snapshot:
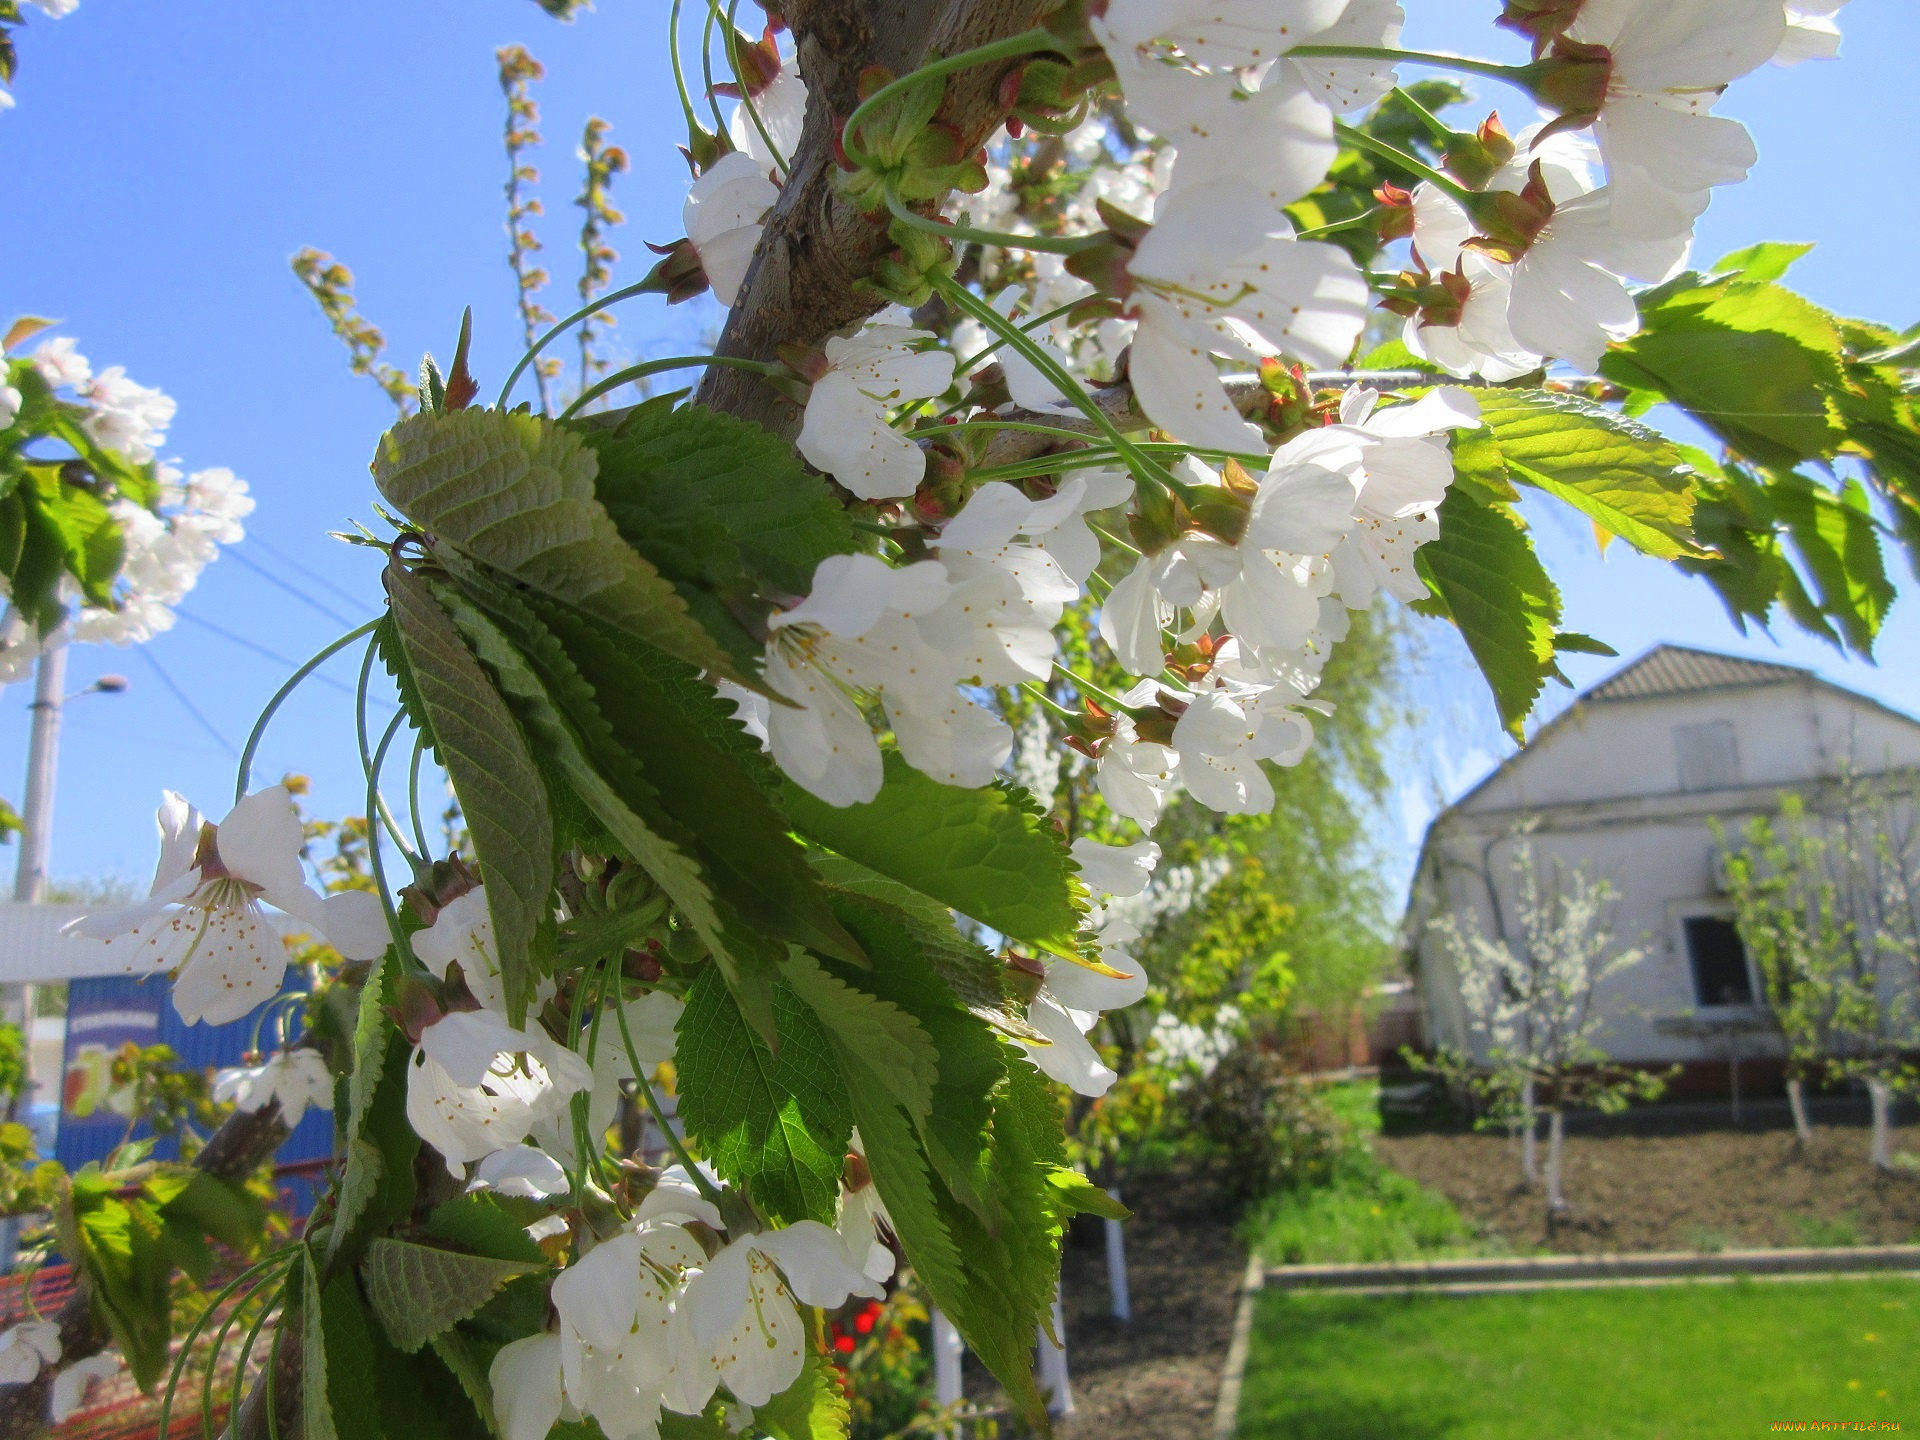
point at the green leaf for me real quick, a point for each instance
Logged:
(776, 1123)
(316, 1406)
(581, 750)
(458, 1357)
(1629, 480)
(204, 1204)
(1838, 542)
(128, 1262)
(479, 1223)
(1756, 264)
(89, 539)
(906, 972)
(995, 1283)
(1750, 362)
(419, 1290)
(707, 496)
(988, 853)
(1572, 642)
(709, 777)
(870, 1036)
(348, 1370)
(1487, 580)
(377, 1185)
(517, 492)
(1075, 1194)
(814, 1407)
(977, 980)
(499, 786)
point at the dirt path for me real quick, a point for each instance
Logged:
(1711, 1190)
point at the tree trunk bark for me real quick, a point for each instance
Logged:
(1880, 1092)
(1556, 1134)
(1529, 1133)
(816, 247)
(1797, 1102)
(237, 1149)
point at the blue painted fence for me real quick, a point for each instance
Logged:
(102, 1015)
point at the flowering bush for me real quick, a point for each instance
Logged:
(727, 691)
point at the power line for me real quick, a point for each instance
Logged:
(262, 650)
(293, 590)
(181, 695)
(311, 574)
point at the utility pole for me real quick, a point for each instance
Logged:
(36, 820)
(43, 759)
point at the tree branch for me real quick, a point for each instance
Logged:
(816, 247)
(242, 1145)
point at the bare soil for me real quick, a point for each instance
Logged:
(1690, 1189)
(1158, 1375)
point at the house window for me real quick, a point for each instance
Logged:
(1721, 975)
(1706, 756)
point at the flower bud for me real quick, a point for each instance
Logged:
(1475, 158)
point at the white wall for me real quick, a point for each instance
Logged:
(1603, 787)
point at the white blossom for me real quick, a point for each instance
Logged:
(1135, 775)
(782, 108)
(476, 1085)
(615, 1305)
(9, 405)
(1121, 870)
(525, 1377)
(650, 1024)
(202, 919)
(297, 1078)
(738, 1323)
(1670, 61)
(60, 364)
(1069, 1004)
(1214, 276)
(25, 1348)
(462, 933)
(1223, 736)
(524, 1171)
(846, 431)
(856, 636)
(723, 218)
(1813, 32)
(125, 416)
(71, 1385)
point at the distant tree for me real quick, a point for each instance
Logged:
(1534, 1002)
(1829, 906)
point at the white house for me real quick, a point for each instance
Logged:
(1625, 782)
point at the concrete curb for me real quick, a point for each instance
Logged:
(1226, 1412)
(1486, 1276)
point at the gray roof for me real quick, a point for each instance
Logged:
(1677, 670)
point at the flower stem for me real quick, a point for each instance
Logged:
(1437, 127)
(1089, 688)
(947, 230)
(1352, 222)
(640, 287)
(679, 75)
(1114, 540)
(654, 367)
(1361, 140)
(1039, 693)
(260, 726)
(746, 95)
(1027, 43)
(1512, 74)
(1142, 467)
(674, 1142)
(413, 793)
(374, 859)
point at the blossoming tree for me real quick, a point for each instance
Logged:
(724, 687)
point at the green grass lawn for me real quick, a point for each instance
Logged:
(1695, 1362)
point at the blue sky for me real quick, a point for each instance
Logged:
(165, 161)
